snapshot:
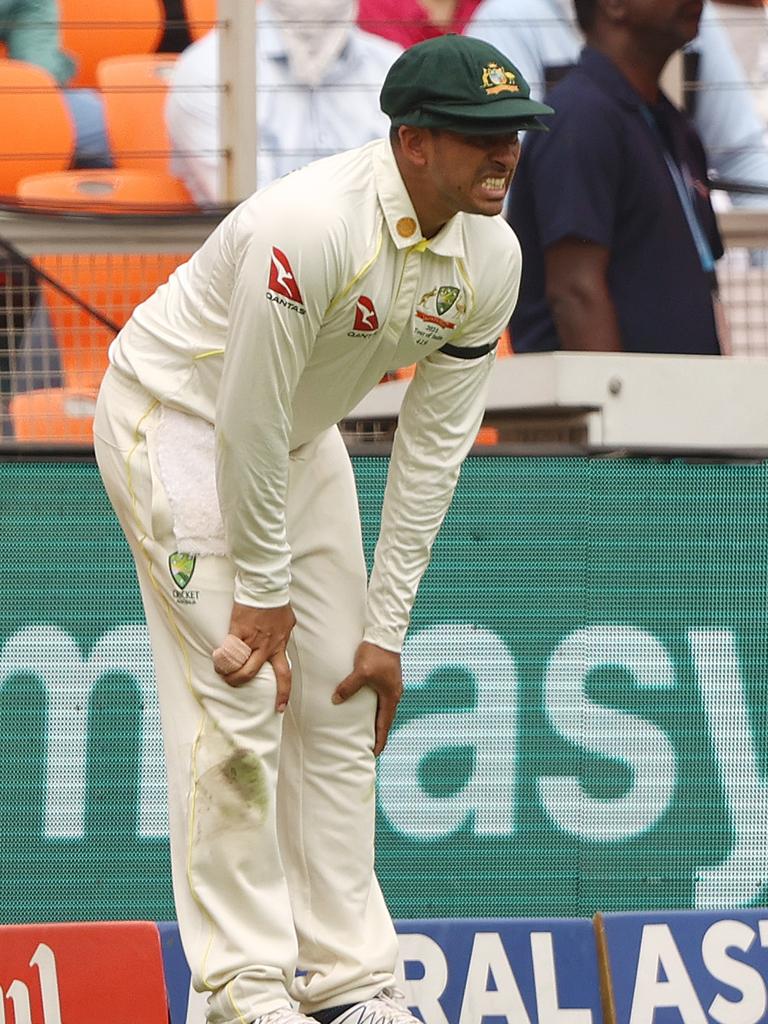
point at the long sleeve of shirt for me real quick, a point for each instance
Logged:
(268, 346)
(438, 424)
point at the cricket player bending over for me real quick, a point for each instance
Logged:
(216, 438)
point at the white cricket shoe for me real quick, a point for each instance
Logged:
(283, 1015)
(388, 1007)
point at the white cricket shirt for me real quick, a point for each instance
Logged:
(292, 310)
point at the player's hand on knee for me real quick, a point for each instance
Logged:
(262, 634)
(380, 669)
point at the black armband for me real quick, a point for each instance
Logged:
(469, 353)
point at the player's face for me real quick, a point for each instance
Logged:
(472, 173)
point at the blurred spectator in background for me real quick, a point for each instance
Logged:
(546, 41)
(747, 28)
(30, 31)
(611, 206)
(318, 79)
(410, 21)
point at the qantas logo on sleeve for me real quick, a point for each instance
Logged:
(366, 321)
(282, 283)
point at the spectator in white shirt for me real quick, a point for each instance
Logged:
(318, 80)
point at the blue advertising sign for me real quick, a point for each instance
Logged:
(687, 967)
(483, 971)
(493, 971)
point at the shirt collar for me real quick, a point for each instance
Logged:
(400, 216)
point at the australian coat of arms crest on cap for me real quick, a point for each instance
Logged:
(497, 79)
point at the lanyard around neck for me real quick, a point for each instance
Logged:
(684, 188)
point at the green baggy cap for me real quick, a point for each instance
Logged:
(462, 84)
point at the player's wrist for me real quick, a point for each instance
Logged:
(387, 639)
(256, 597)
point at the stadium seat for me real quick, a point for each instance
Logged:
(106, 191)
(53, 416)
(487, 436)
(108, 286)
(38, 132)
(505, 345)
(94, 29)
(134, 90)
(200, 16)
(404, 372)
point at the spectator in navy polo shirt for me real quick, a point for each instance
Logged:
(611, 205)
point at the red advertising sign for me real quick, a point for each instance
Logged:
(83, 973)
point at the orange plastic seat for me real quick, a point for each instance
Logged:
(200, 16)
(53, 416)
(38, 132)
(405, 372)
(487, 436)
(109, 286)
(94, 29)
(104, 287)
(106, 191)
(134, 89)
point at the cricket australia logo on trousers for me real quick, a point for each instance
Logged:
(181, 566)
(283, 287)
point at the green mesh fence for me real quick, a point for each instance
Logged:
(584, 722)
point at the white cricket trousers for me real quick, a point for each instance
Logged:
(271, 816)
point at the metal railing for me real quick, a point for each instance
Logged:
(68, 283)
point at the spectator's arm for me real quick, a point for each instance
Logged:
(33, 36)
(195, 141)
(578, 295)
(192, 119)
(726, 114)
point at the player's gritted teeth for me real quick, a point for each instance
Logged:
(495, 186)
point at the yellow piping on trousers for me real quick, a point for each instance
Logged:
(143, 534)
